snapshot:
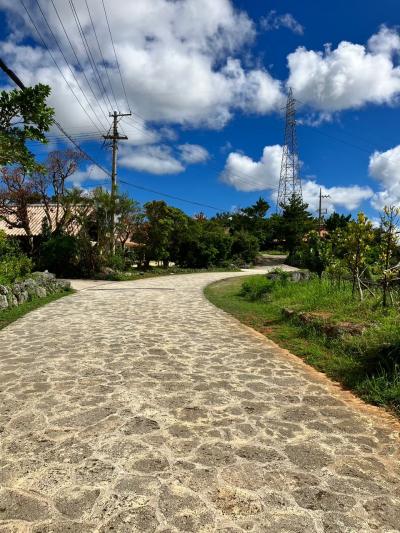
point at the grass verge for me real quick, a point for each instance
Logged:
(8, 316)
(369, 365)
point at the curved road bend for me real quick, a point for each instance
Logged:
(139, 407)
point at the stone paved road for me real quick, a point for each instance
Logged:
(140, 407)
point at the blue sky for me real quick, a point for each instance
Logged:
(206, 80)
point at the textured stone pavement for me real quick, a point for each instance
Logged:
(138, 407)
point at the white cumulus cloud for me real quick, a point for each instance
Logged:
(386, 41)
(385, 168)
(348, 197)
(245, 174)
(349, 76)
(180, 60)
(157, 159)
(273, 21)
(193, 153)
(90, 173)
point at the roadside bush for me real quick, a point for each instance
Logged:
(60, 256)
(315, 254)
(118, 261)
(206, 245)
(14, 268)
(279, 275)
(245, 246)
(256, 288)
(14, 265)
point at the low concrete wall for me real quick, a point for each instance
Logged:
(38, 285)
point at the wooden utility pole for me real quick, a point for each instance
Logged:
(114, 138)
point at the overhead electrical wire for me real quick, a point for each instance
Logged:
(142, 130)
(115, 54)
(153, 191)
(83, 70)
(241, 177)
(92, 62)
(357, 147)
(337, 139)
(101, 54)
(55, 62)
(66, 61)
(83, 135)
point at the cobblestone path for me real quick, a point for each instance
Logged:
(140, 407)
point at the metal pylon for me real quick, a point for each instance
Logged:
(289, 181)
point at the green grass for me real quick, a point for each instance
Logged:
(368, 364)
(159, 271)
(8, 316)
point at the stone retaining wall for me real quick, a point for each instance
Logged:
(38, 285)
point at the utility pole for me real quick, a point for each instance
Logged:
(114, 138)
(320, 211)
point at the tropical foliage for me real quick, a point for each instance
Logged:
(24, 116)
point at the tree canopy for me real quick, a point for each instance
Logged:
(24, 116)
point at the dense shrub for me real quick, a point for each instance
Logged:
(256, 288)
(14, 265)
(14, 268)
(314, 254)
(245, 246)
(60, 255)
(203, 246)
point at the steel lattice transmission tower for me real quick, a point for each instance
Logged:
(289, 181)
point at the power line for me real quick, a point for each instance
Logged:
(115, 54)
(101, 54)
(142, 130)
(241, 177)
(76, 57)
(67, 63)
(55, 62)
(22, 86)
(153, 191)
(138, 115)
(352, 145)
(352, 134)
(99, 81)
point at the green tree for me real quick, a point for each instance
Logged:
(202, 245)
(24, 116)
(316, 253)
(160, 226)
(388, 265)
(245, 246)
(336, 221)
(251, 219)
(97, 219)
(357, 240)
(257, 210)
(273, 236)
(296, 223)
(129, 216)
